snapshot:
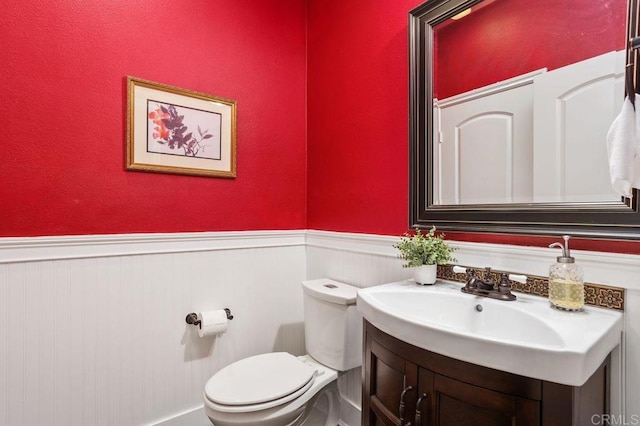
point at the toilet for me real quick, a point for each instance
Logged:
(280, 389)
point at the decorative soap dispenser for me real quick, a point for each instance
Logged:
(566, 284)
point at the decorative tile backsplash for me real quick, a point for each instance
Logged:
(598, 295)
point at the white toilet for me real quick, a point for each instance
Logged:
(279, 389)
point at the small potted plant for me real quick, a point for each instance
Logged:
(424, 252)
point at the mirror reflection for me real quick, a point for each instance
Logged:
(524, 93)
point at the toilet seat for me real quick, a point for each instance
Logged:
(259, 382)
(290, 413)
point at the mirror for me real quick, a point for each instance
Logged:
(536, 124)
(510, 104)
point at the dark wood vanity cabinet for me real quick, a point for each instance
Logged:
(404, 385)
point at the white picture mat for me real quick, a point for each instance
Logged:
(142, 94)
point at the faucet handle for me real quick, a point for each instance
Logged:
(519, 278)
(459, 270)
(505, 285)
(504, 288)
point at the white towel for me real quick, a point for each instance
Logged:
(623, 148)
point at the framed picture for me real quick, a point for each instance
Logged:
(174, 130)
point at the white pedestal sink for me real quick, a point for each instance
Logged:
(525, 336)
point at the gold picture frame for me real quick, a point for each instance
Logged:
(180, 131)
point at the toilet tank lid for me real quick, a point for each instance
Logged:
(331, 291)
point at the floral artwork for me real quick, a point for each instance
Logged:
(175, 130)
(185, 131)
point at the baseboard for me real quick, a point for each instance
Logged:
(192, 417)
(350, 414)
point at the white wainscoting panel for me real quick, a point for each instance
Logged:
(103, 341)
(93, 332)
(356, 259)
(366, 260)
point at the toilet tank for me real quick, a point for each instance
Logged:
(332, 324)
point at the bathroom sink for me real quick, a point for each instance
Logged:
(525, 336)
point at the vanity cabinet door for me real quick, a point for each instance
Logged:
(460, 403)
(424, 399)
(389, 387)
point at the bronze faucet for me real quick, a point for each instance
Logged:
(486, 287)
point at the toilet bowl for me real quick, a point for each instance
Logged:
(249, 395)
(280, 389)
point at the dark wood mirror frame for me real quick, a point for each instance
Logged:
(593, 220)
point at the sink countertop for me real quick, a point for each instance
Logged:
(525, 336)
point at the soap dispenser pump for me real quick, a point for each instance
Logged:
(566, 284)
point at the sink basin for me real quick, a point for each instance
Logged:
(525, 336)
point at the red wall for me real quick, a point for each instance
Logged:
(478, 49)
(358, 123)
(62, 80)
(63, 96)
(357, 106)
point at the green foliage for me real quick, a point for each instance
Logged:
(424, 249)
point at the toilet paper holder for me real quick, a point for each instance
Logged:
(192, 318)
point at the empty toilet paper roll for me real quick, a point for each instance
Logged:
(212, 323)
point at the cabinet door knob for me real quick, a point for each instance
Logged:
(402, 406)
(418, 405)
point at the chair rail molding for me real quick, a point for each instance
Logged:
(614, 269)
(26, 249)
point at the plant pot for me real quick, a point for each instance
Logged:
(426, 274)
